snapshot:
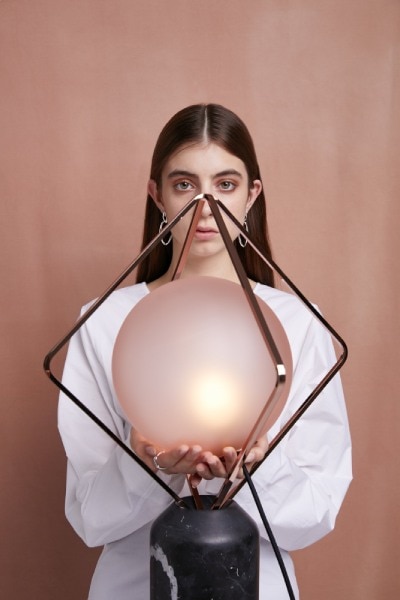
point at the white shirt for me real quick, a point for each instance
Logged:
(112, 501)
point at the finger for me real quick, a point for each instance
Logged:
(177, 460)
(215, 465)
(195, 480)
(203, 471)
(173, 456)
(257, 453)
(187, 463)
(263, 444)
(142, 448)
(229, 458)
(150, 450)
(168, 459)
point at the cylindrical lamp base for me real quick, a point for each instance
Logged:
(204, 554)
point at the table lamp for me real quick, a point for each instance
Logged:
(202, 546)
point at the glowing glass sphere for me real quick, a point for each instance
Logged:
(190, 365)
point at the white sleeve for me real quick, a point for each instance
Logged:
(303, 481)
(108, 494)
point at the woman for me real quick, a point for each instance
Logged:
(110, 500)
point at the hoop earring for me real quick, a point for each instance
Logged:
(164, 223)
(242, 240)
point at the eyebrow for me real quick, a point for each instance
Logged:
(183, 173)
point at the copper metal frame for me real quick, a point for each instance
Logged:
(226, 492)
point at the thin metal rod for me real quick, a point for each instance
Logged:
(80, 322)
(116, 439)
(226, 488)
(273, 265)
(180, 265)
(260, 321)
(131, 267)
(195, 494)
(292, 421)
(189, 237)
(244, 282)
(268, 340)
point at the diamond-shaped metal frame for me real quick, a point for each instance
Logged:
(227, 490)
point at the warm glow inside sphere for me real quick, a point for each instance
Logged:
(190, 365)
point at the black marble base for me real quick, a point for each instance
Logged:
(204, 554)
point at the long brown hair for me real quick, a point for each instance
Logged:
(212, 123)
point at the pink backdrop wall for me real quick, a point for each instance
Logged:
(86, 86)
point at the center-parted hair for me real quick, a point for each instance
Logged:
(207, 123)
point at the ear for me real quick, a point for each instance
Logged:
(152, 190)
(254, 192)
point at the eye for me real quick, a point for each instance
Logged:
(183, 186)
(227, 186)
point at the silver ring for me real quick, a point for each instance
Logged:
(155, 461)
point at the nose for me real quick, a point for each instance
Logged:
(206, 210)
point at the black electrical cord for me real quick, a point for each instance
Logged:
(269, 533)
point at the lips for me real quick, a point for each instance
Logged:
(206, 230)
(205, 233)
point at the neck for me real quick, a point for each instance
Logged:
(212, 266)
(215, 265)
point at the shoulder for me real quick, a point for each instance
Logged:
(284, 303)
(104, 324)
(295, 316)
(125, 296)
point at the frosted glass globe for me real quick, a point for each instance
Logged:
(190, 365)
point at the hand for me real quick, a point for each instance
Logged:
(210, 466)
(182, 459)
(193, 461)
(257, 453)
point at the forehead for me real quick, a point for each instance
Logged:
(203, 159)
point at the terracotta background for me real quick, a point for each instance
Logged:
(86, 86)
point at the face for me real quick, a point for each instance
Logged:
(204, 169)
